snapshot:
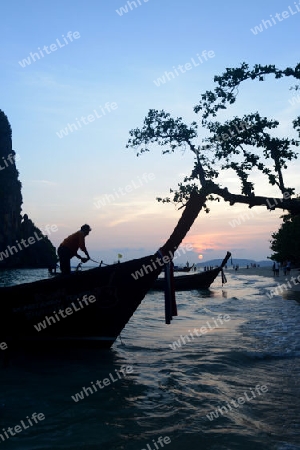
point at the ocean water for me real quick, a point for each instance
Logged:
(234, 384)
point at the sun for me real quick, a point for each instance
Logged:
(200, 256)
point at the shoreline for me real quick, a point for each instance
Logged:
(289, 280)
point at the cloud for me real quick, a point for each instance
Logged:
(43, 182)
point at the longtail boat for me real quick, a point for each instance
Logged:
(201, 280)
(183, 269)
(88, 308)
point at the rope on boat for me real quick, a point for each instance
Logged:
(174, 306)
(170, 300)
(224, 279)
(228, 255)
(79, 265)
(100, 263)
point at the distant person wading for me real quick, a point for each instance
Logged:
(69, 248)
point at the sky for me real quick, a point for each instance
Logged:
(77, 76)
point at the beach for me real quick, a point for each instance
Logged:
(290, 281)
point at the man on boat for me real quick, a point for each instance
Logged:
(69, 248)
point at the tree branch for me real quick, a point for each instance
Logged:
(285, 203)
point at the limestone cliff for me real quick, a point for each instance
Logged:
(21, 243)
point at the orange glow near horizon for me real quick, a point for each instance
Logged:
(201, 243)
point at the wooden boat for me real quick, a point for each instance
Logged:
(201, 280)
(89, 308)
(183, 269)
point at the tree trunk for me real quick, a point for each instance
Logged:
(189, 215)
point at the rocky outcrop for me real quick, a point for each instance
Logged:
(10, 187)
(21, 243)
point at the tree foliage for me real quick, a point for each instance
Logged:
(242, 144)
(285, 242)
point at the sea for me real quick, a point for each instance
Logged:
(224, 375)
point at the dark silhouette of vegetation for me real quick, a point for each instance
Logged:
(242, 145)
(285, 242)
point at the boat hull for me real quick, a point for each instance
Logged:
(183, 269)
(99, 301)
(87, 309)
(201, 280)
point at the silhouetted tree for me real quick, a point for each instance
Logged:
(242, 145)
(286, 241)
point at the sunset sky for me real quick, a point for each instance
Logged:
(77, 76)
